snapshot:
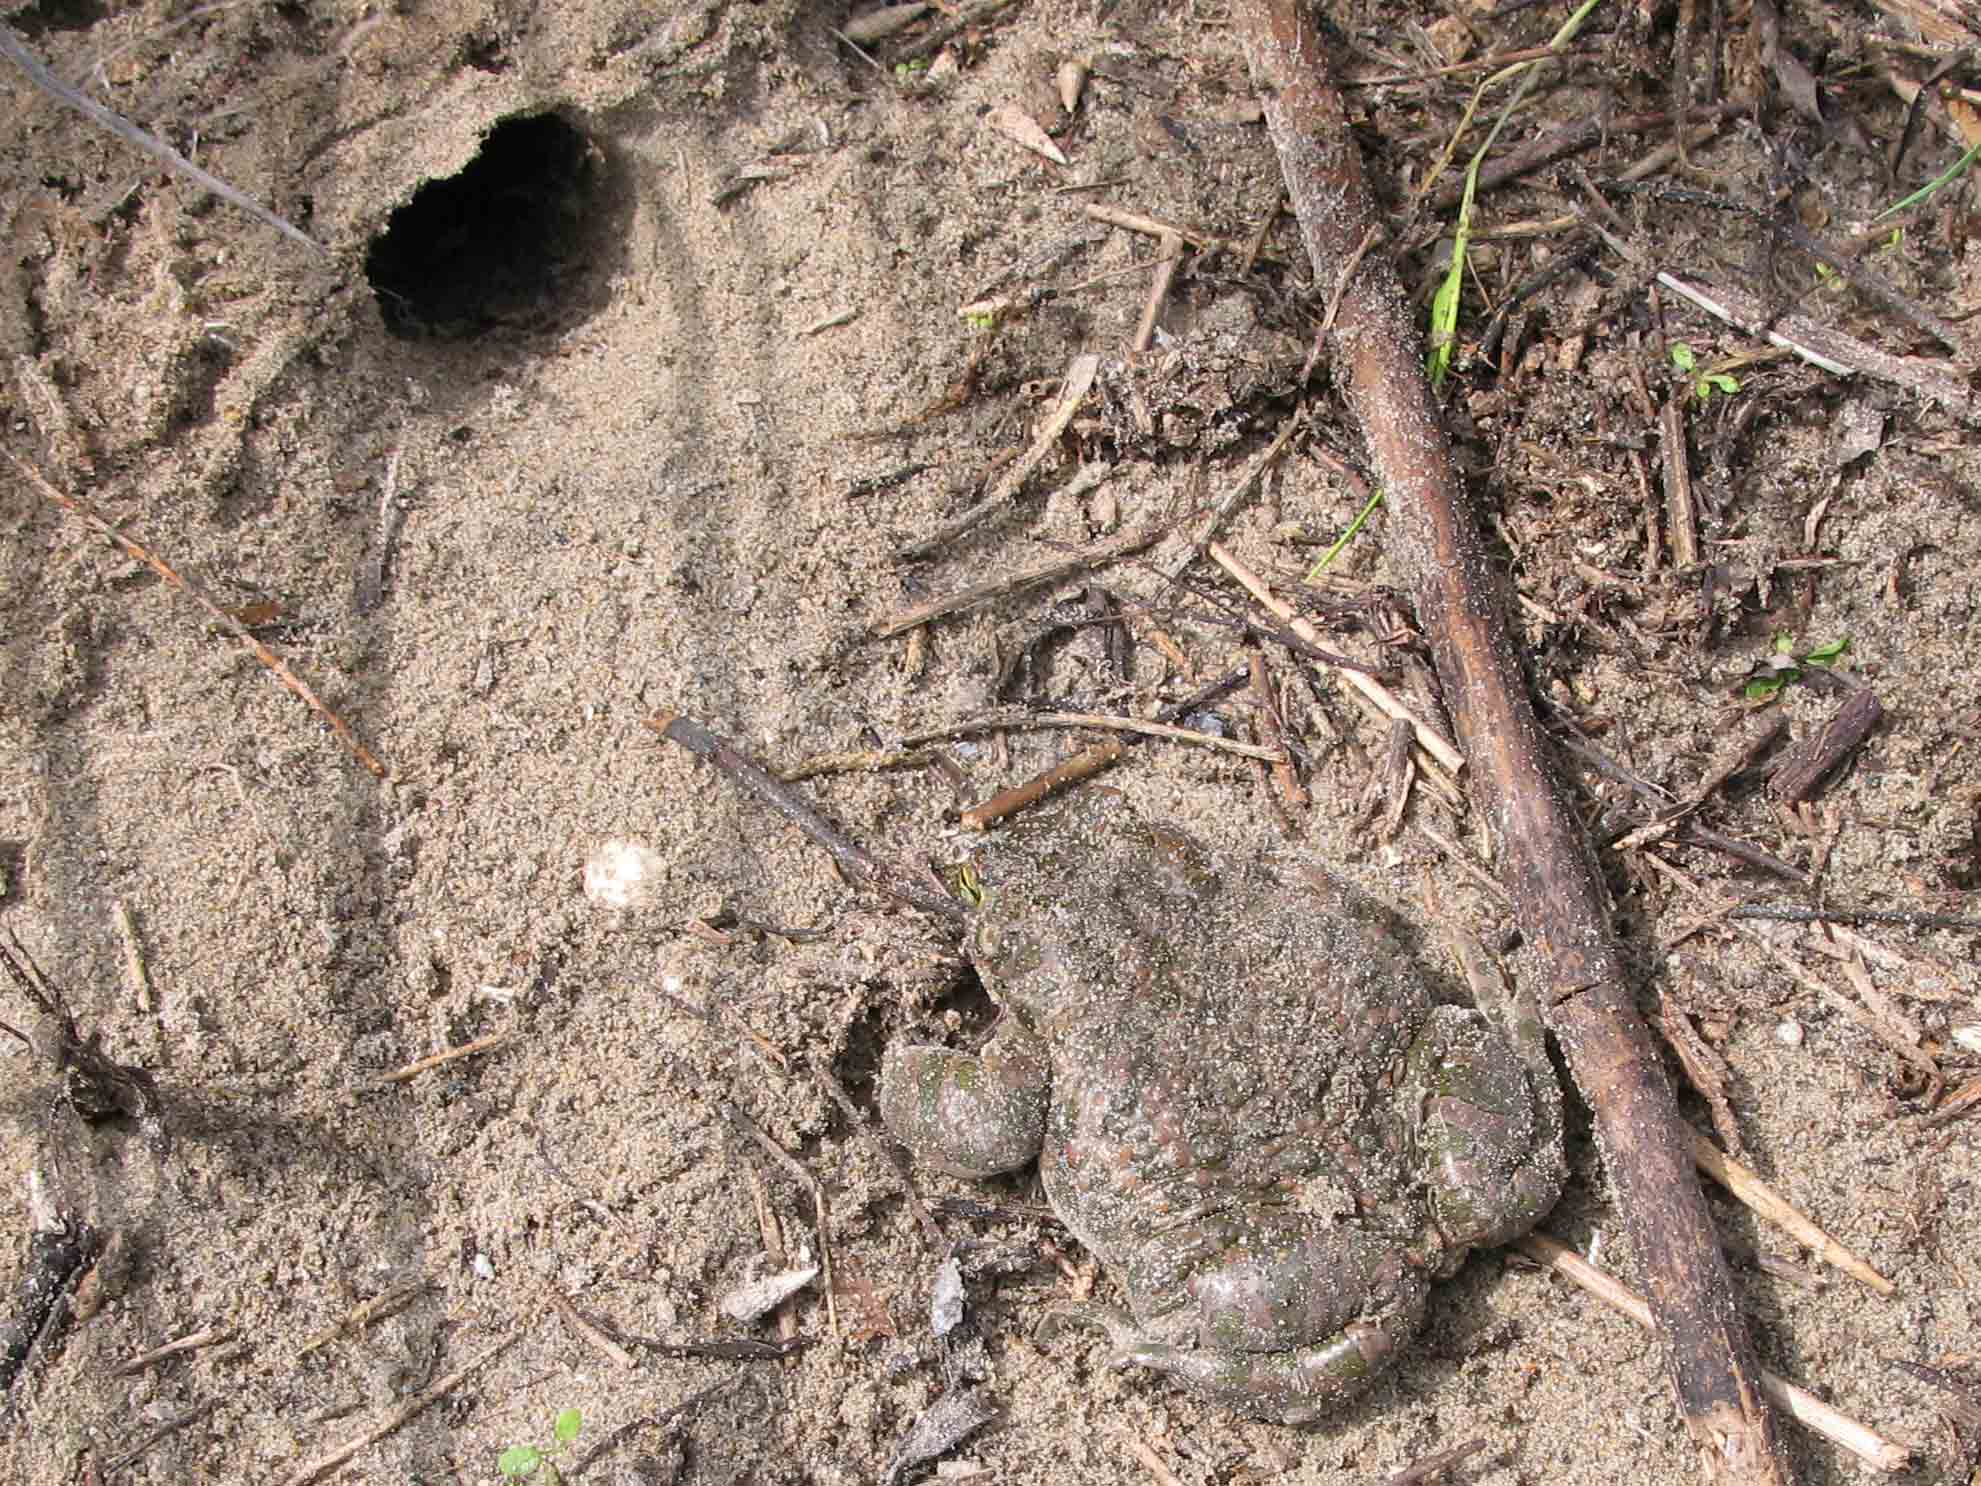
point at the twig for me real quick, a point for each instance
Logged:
(796, 1169)
(587, 1331)
(1829, 913)
(415, 1068)
(364, 1313)
(1845, 266)
(1432, 1466)
(1240, 489)
(323, 1465)
(1341, 282)
(859, 864)
(1386, 701)
(1170, 247)
(860, 1120)
(1272, 734)
(190, 1343)
(1083, 765)
(1803, 976)
(1809, 762)
(1549, 868)
(371, 576)
(1115, 216)
(220, 616)
(657, 1421)
(1804, 1407)
(867, 761)
(1080, 373)
(1018, 718)
(1759, 1197)
(1045, 570)
(1681, 511)
(1831, 350)
(1568, 140)
(15, 51)
(134, 971)
(164, 1431)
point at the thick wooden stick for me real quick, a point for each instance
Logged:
(1547, 864)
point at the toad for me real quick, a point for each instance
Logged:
(1243, 1099)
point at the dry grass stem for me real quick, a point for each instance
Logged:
(363, 1314)
(220, 616)
(1016, 718)
(414, 1069)
(184, 1344)
(323, 1465)
(1080, 373)
(1240, 490)
(1045, 570)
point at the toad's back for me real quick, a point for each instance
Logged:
(1222, 1043)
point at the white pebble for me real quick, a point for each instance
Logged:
(622, 874)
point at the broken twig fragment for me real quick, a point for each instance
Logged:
(1811, 761)
(1083, 765)
(101, 524)
(855, 861)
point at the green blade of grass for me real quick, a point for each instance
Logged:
(1444, 304)
(1343, 540)
(1943, 179)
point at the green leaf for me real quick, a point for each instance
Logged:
(519, 1462)
(1784, 643)
(1444, 314)
(1764, 688)
(1682, 357)
(1718, 382)
(568, 1424)
(1824, 655)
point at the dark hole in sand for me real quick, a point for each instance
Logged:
(501, 243)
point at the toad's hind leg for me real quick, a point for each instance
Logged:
(971, 1115)
(1292, 1387)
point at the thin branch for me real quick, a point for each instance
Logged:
(1548, 865)
(198, 595)
(15, 51)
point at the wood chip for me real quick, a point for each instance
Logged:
(1021, 128)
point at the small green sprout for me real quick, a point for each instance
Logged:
(979, 320)
(528, 1463)
(1785, 665)
(1704, 384)
(970, 887)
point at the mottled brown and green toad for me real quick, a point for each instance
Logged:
(1242, 1098)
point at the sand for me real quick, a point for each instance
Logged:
(643, 484)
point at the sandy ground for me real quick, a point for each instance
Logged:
(638, 487)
